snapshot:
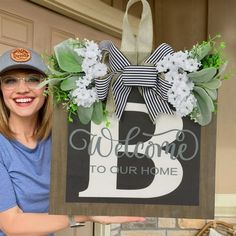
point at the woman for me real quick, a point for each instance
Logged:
(25, 143)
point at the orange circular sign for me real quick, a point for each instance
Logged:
(20, 55)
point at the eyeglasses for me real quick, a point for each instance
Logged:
(11, 82)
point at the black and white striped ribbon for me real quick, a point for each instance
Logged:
(154, 89)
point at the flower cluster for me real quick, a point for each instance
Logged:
(178, 61)
(91, 64)
(85, 95)
(175, 66)
(82, 96)
(195, 78)
(73, 68)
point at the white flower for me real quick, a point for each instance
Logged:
(186, 106)
(191, 65)
(176, 67)
(80, 83)
(171, 97)
(87, 63)
(180, 93)
(162, 66)
(84, 97)
(178, 60)
(171, 76)
(85, 94)
(83, 82)
(99, 70)
(80, 51)
(87, 79)
(92, 49)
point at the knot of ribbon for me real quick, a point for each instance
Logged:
(124, 76)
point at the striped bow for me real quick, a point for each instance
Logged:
(153, 89)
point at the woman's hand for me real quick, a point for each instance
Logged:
(115, 219)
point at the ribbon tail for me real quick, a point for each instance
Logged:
(110, 104)
(155, 104)
(121, 94)
(102, 86)
(162, 87)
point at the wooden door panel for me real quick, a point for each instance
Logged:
(15, 30)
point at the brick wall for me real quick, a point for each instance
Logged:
(163, 227)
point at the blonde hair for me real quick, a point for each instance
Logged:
(44, 126)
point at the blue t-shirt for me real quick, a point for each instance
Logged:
(24, 176)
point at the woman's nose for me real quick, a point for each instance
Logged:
(22, 86)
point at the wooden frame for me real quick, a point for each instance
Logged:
(58, 204)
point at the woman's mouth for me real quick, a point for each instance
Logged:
(23, 101)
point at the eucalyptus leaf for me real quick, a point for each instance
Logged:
(69, 83)
(203, 75)
(85, 114)
(67, 58)
(97, 116)
(212, 93)
(204, 97)
(204, 51)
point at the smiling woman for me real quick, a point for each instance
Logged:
(25, 150)
(22, 98)
(21, 70)
(19, 88)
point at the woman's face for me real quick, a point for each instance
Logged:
(20, 93)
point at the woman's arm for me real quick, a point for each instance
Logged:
(15, 223)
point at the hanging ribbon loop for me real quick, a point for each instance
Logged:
(129, 68)
(136, 48)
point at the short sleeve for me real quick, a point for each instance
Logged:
(7, 193)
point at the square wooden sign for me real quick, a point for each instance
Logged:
(133, 167)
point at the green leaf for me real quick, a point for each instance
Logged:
(203, 75)
(204, 50)
(57, 73)
(67, 58)
(69, 83)
(213, 84)
(97, 116)
(204, 106)
(221, 70)
(204, 114)
(204, 97)
(212, 93)
(85, 114)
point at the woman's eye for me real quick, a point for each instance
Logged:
(10, 81)
(34, 79)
